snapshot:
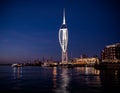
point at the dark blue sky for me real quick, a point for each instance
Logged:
(29, 28)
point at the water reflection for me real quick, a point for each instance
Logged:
(63, 81)
(17, 72)
(87, 70)
(86, 77)
(59, 80)
(110, 80)
(54, 77)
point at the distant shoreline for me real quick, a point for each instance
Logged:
(4, 64)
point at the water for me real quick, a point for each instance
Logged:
(58, 80)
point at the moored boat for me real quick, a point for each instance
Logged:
(17, 65)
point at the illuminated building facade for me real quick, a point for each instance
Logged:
(85, 61)
(111, 53)
(63, 40)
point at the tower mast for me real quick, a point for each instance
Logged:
(64, 22)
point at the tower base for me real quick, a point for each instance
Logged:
(64, 58)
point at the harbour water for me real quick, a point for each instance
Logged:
(35, 79)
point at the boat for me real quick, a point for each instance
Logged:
(17, 65)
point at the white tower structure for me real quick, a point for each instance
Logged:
(63, 39)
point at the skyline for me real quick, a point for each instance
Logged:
(29, 28)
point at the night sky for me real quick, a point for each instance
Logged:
(29, 28)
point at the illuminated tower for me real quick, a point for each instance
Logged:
(63, 39)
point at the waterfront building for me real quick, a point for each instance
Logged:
(86, 61)
(63, 40)
(111, 53)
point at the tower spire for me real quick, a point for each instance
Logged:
(64, 16)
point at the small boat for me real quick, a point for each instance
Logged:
(17, 65)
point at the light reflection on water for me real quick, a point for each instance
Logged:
(80, 74)
(64, 81)
(54, 77)
(17, 72)
(87, 70)
(89, 76)
(58, 80)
